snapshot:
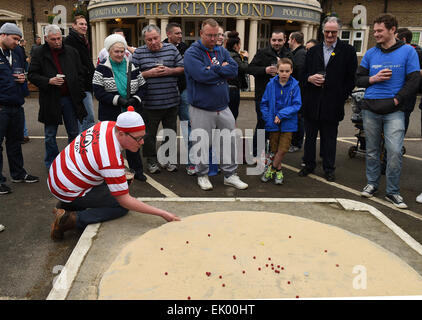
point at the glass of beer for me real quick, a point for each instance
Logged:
(130, 175)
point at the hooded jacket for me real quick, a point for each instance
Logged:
(206, 77)
(404, 62)
(290, 105)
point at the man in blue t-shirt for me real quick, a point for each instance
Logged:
(390, 72)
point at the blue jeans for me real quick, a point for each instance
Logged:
(97, 205)
(71, 124)
(11, 128)
(184, 116)
(392, 125)
(89, 120)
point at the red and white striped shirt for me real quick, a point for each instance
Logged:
(89, 160)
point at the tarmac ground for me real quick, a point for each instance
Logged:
(31, 262)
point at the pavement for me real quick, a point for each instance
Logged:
(31, 262)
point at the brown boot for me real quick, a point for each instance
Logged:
(65, 220)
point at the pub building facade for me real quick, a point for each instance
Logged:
(254, 20)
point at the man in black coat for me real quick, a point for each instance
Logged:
(329, 78)
(78, 39)
(299, 55)
(263, 68)
(57, 71)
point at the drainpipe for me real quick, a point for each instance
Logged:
(34, 31)
(385, 6)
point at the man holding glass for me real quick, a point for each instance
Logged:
(328, 79)
(160, 64)
(390, 71)
(12, 78)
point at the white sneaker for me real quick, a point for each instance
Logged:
(170, 167)
(1, 227)
(235, 181)
(204, 183)
(419, 198)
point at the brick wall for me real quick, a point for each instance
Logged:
(407, 12)
(42, 9)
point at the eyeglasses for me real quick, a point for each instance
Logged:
(332, 32)
(138, 139)
(211, 35)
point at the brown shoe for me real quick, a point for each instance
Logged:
(65, 220)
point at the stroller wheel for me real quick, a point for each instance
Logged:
(352, 151)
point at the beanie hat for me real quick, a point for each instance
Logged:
(130, 121)
(113, 39)
(10, 28)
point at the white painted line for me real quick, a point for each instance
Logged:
(64, 281)
(162, 189)
(405, 155)
(357, 193)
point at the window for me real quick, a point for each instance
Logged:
(263, 34)
(416, 36)
(354, 38)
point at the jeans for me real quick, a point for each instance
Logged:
(152, 118)
(392, 125)
(297, 139)
(11, 128)
(25, 129)
(234, 94)
(71, 124)
(97, 205)
(260, 124)
(184, 116)
(89, 120)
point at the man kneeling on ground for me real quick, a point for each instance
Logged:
(88, 176)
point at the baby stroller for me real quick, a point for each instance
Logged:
(357, 99)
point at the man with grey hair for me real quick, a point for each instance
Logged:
(160, 64)
(12, 79)
(328, 79)
(57, 71)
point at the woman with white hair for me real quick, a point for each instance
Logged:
(117, 84)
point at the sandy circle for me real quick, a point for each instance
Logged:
(254, 255)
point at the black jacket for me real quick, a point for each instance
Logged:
(264, 58)
(299, 56)
(327, 103)
(242, 62)
(75, 40)
(181, 79)
(42, 68)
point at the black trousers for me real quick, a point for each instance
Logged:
(328, 142)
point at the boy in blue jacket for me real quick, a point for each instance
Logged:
(279, 106)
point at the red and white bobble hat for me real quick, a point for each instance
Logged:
(130, 121)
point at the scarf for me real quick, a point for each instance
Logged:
(119, 71)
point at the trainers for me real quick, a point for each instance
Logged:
(397, 200)
(64, 220)
(294, 149)
(4, 189)
(170, 167)
(204, 183)
(153, 167)
(279, 177)
(235, 181)
(268, 174)
(368, 191)
(27, 178)
(191, 170)
(2, 227)
(419, 198)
